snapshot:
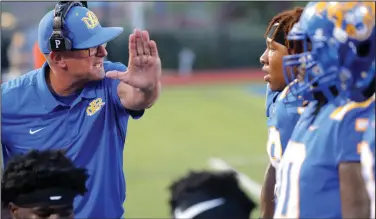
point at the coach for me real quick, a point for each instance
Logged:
(79, 103)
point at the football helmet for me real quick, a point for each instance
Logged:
(339, 45)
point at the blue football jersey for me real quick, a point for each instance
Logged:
(270, 100)
(308, 172)
(368, 161)
(284, 112)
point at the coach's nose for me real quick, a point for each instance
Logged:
(102, 51)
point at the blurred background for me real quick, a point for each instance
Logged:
(211, 114)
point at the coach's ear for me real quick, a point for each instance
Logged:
(56, 58)
(13, 211)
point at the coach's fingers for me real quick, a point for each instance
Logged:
(132, 45)
(153, 48)
(145, 42)
(139, 46)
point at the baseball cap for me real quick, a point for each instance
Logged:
(81, 26)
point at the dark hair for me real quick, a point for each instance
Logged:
(84, 3)
(41, 170)
(286, 20)
(219, 184)
(370, 90)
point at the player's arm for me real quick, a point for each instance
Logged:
(354, 196)
(267, 193)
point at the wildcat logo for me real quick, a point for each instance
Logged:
(94, 106)
(91, 20)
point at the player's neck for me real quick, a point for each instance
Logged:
(320, 98)
(63, 86)
(370, 90)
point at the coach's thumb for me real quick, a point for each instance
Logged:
(114, 74)
(122, 76)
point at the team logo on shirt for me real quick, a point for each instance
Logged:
(94, 106)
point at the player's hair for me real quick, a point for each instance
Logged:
(286, 20)
(38, 170)
(84, 3)
(322, 100)
(219, 184)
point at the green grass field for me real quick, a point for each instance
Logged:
(187, 127)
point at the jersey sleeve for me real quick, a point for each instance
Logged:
(281, 127)
(113, 84)
(348, 139)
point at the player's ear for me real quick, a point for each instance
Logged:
(13, 210)
(57, 59)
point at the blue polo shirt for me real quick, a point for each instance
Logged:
(91, 128)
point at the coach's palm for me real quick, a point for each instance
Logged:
(144, 67)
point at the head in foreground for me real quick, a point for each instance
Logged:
(278, 46)
(42, 184)
(209, 195)
(342, 59)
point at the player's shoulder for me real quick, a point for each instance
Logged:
(351, 117)
(288, 97)
(288, 103)
(114, 66)
(20, 85)
(352, 109)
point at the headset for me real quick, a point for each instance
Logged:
(57, 41)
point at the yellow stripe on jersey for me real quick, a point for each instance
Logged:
(287, 90)
(341, 111)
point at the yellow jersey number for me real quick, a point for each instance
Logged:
(274, 147)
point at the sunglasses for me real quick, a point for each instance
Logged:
(90, 51)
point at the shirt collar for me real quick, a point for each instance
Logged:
(89, 91)
(49, 101)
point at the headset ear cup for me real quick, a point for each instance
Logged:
(57, 38)
(68, 44)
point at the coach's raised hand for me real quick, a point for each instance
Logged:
(144, 67)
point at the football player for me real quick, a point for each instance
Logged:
(320, 174)
(282, 109)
